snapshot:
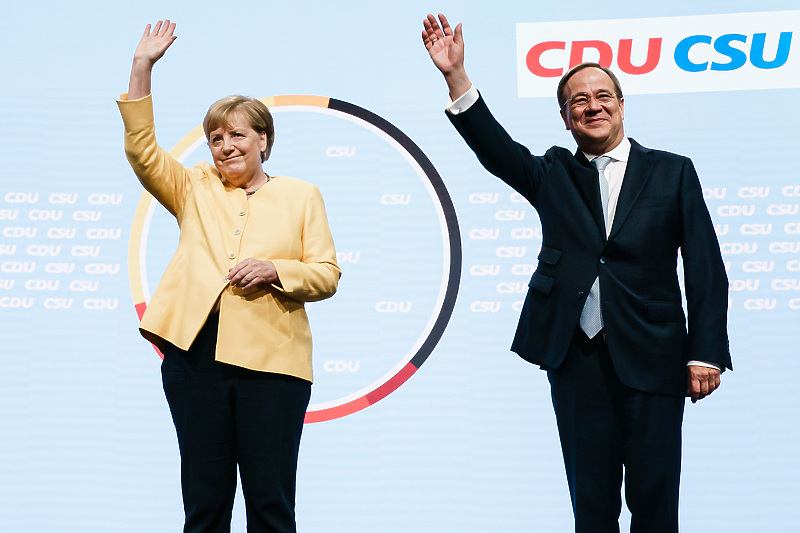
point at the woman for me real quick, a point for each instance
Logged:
(228, 313)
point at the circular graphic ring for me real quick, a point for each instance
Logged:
(451, 274)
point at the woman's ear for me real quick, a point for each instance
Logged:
(264, 145)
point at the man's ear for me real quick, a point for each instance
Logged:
(564, 117)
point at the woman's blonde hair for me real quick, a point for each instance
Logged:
(254, 110)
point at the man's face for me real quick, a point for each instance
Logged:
(593, 113)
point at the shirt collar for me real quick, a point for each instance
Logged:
(619, 153)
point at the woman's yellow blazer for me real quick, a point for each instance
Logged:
(283, 222)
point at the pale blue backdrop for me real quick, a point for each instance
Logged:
(468, 443)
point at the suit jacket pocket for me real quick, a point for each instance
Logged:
(664, 312)
(541, 282)
(549, 256)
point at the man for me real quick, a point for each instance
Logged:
(603, 313)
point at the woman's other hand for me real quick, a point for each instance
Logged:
(252, 273)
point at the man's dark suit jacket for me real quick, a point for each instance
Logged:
(660, 211)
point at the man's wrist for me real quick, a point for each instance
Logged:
(458, 83)
(703, 363)
(463, 102)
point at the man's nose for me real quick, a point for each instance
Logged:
(594, 104)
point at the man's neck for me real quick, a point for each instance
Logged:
(600, 149)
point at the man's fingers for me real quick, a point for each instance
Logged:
(446, 30)
(431, 25)
(694, 389)
(429, 31)
(702, 381)
(700, 388)
(712, 384)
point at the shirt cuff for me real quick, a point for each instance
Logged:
(463, 102)
(701, 363)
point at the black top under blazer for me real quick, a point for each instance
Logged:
(661, 210)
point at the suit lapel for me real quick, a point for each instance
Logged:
(637, 172)
(586, 181)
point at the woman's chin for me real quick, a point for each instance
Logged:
(233, 178)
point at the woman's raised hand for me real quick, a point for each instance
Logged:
(153, 44)
(150, 49)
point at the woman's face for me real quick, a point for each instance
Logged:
(236, 149)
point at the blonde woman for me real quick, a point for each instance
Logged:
(228, 313)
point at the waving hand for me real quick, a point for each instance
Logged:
(446, 48)
(151, 48)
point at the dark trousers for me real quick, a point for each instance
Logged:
(605, 426)
(227, 416)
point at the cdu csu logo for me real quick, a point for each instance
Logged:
(665, 55)
(722, 53)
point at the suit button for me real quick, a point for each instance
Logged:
(232, 255)
(581, 294)
(602, 260)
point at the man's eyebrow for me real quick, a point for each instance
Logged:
(587, 93)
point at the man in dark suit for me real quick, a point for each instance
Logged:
(603, 313)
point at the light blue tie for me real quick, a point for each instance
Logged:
(592, 317)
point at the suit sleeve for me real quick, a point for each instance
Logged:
(498, 152)
(315, 276)
(160, 174)
(704, 276)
